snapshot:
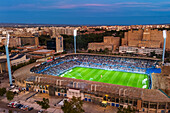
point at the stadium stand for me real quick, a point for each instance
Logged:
(144, 100)
(60, 65)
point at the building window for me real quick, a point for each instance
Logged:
(153, 105)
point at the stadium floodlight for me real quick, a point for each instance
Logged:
(75, 34)
(8, 60)
(163, 55)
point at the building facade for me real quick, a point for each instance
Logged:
(56, 43)
(146, 38)
(136, 50)
(110, 42)
(29, 40)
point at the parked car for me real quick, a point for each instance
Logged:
(30, 108)
(25, 107)
(15, 105)
(21, 106)
(40, 111)
(12, 104)
(18, 105)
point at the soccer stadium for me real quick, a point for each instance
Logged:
(101, 79)
(113, 70)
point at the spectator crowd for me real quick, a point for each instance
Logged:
(63, 64)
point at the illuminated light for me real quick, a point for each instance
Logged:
(104, 102)
(75, 32)
(106, 95)
(164, 34)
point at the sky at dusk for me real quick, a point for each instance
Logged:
(96, 12)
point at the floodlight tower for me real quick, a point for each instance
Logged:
(164, 36)
(75, 34)
(8, 60)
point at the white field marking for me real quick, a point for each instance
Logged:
(124, 74)
(139, 80)
(89, 74)
(70, 70)
(74, 72)
(120, 78)
(62, 75)
(101, 71)
(113, 76)
(130, 79)
(105, 75)
(91, 79)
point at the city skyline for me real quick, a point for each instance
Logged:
(87, 12)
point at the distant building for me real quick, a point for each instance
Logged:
(29, 40)
(18, 59)
(62, 30)
(27, 49)
(143, 51)
(146, 38)
(56, 43)
(43, 53)
(14, 42)
(3, 65)
(110, 42)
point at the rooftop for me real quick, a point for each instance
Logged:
(43, 50)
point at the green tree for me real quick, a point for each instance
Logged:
(9, 95)
(10, 111)
(2, 91)
(44, 103)
(106, 51)
(43, 39)
(73, 106)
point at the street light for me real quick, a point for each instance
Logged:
(8, 60)
(75, 34)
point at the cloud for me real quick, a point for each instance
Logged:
(80, 5)
(96, 5)
(115, 5)
(161, 9)
(132, 3)
(93, 6)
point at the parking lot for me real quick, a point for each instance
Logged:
(21, 99)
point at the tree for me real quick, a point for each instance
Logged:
(2, 91)
(10, 95)
(44, 103)
(106, 51)
(73, 106)
(10, 111)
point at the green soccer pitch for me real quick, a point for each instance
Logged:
(112, 77)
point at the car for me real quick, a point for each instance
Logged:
(15, 105)
(25, 107)
(21, 106)
(12, 104)
(18, 105)
(40, 111)
(9, 104)
(30, 108)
